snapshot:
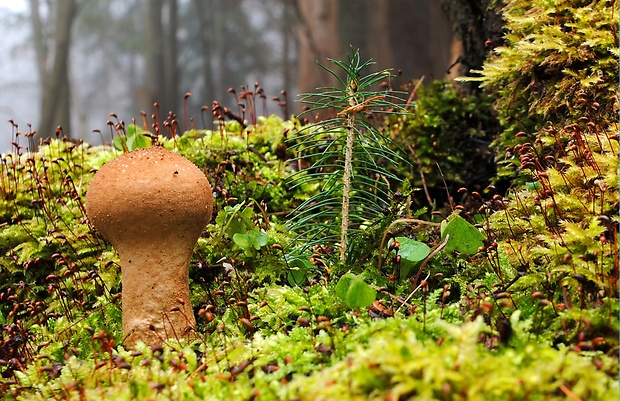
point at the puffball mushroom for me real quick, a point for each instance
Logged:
(152, 205)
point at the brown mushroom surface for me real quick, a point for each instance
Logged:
(152, 205)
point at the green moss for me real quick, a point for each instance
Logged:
(558, 58)
(453, 130)
(391, 358)
(530, 314)
(398, 365)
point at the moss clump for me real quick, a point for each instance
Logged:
(397, 365)
(554, 243)
(555, 56)
(452, 130)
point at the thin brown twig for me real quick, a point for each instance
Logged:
(569, 393)
(214, 358)
(417, 160)
(406, 301)
(443, 178)
(435, 251)
(414, 91)
(388, 230)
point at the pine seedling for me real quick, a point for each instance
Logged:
(345, 157)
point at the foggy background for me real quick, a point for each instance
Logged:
(70, 63)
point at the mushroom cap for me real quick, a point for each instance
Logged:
(152, 195)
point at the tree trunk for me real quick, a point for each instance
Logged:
(478, 25)
(154, 71)
(410, 36)
(40, 45)
(220, 52)
(380, 45)
(203, 8)
(55, 83)
(441, 40)
(319, 39)
(171, 96)
(162, 68)
(417, 38)
(289, 49)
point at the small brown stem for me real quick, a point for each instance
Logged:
(406, 301)
(446, 186)
(569, 393)
(388, 230)
(417, 161)
(437, 249)
(346, 179)
(414, 91)
(206, 363)
(434, 252)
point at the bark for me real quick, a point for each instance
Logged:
(221, 51)
(55, 82)
(40, 46)
(478, 25)
(440, 39)
(379, 33)
(319, 39)
(421, 39)
(288, 46)
(203, 8)
(162, 70)
(413, 37)
(154, 72)
(172, 93)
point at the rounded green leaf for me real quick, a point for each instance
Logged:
(464, 237)
(342, 288)
(299, 268)
(296, 277)
(355, 292)
(411, 253)
(411, 250)
(360, 294)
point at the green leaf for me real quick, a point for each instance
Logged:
(360, 294)
(250, 241)
(120, 143)
(232, 220)
(134, 139)
(296, 277)
(298, 272)
(355, 292)
(464, 237)
(411, 253)
(133, 129)
(343, 285)
(138, 141)
(533, 186)
(235, 226)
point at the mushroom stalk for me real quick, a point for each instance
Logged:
(152, 205)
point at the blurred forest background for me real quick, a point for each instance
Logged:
(70, 63)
